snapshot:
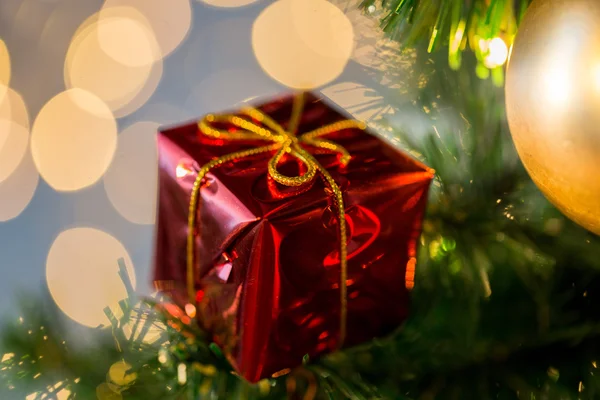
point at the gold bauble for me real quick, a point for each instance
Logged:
(104, 392)
(120, 374)
(553, 104)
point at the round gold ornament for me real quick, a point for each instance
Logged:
(119, 374)
(104, 392)
(553, 104)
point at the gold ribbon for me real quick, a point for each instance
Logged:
(281, 142)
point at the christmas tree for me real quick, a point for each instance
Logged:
(504, 304)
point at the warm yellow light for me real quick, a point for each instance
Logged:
(497, 53)
(596, 76)
(131, 180)
(170, 20)
(14, 140)
(90, 66)
(14, 131)
(18, 189)
(458, 37)
(182, 171)
(228, 3)
(152, 333)
(144, 94)
(190, 310)
(62, 394)
(82, 274)
(182, 374)
(4, 68)
(302, 43)
(51, 393)
(12, 107)
(556, 84)
(126, 35)
(73, 140)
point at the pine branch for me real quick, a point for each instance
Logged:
(456, 25)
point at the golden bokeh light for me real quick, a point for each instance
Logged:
(4, 68)
(56, 392)
(124, 88)
(134, 103)
(14, 139)
(302, 43)
(73, 140)
(17, 190)
(14, 130)
(131, 180)
(496, 52)
(228, 3)
(372, 47)
(170, 20)
(13, 108)
(82, 274)
(126, 35)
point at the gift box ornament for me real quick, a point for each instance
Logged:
(290, 227)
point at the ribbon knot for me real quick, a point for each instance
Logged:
(282, 142)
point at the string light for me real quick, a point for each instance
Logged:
(496, 52)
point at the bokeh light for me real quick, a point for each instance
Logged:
(4, 68)
(228, 3)
(126, 35)
(123, 87)
(82, 274)
(13, 108)
(56, 392)
(73, 140)
(131, 180)
(144, 94)
(302, 43)
(14, 131)
(496, 52)
(14, 139)
(170, 20)
(17, 190)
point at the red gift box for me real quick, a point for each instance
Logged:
(268, 269)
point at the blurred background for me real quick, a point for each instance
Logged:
(84, 86)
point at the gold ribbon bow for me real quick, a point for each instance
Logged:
(281, 142)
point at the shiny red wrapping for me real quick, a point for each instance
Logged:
(269, 267)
